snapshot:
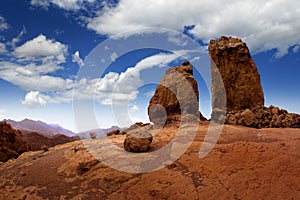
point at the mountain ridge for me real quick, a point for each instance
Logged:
(39, 127)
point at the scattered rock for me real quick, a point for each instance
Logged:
(263, 117)
(141, 124)
(248, 117)
(138, 140)
(176, 95)
(113, 132)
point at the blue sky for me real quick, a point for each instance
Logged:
(43, 45)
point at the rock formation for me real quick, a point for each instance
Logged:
(232, 64)
(137, 140)
(263, 117)
(11, 142)
(240, 76)
(176, 95)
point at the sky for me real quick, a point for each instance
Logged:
(46, 47)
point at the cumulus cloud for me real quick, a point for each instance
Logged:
(31, 67)
(41, 48)
(36, 77)
(64, 4)
(3, 24)
(76, 59)
(264, 25)
(33, 99)
(120, 88)
(30, 77)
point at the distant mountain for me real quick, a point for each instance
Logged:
(100, 132)
(40, 127)
(37, 141)
(14, 142)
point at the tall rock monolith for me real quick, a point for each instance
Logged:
(239, 74)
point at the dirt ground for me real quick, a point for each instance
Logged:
(245, 163)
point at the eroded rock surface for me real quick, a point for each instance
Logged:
(241, 79)
(12, 143)
(176, 95)
(264, 117)
(137, 140)
(245, 163)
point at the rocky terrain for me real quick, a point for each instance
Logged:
(37, 141)
(15, 142)
(245, 163)
(261, 116)
(12, 144)
(233, 65)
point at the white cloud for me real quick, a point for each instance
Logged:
(33, 99)
(31, 78)
(17, 39)
(134, 108)
(2, 48)
(76, 59)
(34, 76)
(64, 4)
(3, 24)
(264, 25)
(121, 88)
(41, 48)
(296, 49)
(113, 56)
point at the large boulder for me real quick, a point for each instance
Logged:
(232, 59)
(176, 95)
(138, 140)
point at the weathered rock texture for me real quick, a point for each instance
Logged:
(244, 164)
(263, 117)
(176, 95)
(11, 142)
(240, 76)
(233, 67)
(137, 141)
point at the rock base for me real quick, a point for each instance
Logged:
(263, 117)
